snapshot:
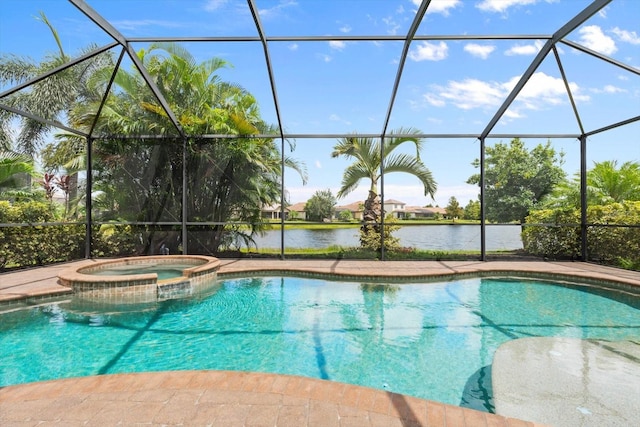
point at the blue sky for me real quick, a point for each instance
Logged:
(336, 87)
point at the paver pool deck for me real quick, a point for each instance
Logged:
(224, 398)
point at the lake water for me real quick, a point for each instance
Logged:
(425, 237)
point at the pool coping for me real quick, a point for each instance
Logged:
(197, 270)
(39, 285)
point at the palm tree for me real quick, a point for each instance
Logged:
(228, 180)
(369, 155)
(50, 98)
(13, 168)
(606, 183)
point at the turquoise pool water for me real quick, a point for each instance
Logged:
(434, 341)
(164, 271)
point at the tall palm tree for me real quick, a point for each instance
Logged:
(370, 154)
(51, 98)
(228, 180)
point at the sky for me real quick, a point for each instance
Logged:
(336, 86)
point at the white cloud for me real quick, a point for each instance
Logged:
(277, 9)
(392, 25)
(609, 89)
(540, 91)
(527, 49)
(336, 118)
(479, 50)
(345, 29)
(592, 37)
(426, 51)
(626, 36)
(293, 46)
(472, 93)
(513, 114)
(501, 6)
(434, 100)
(318, 164)
(441, 6)
(323, 57)
(337, 44)
(212, 5)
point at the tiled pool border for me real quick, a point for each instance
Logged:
(136, 288)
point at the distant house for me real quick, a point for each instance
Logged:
(274, 212)
(395, 208)
(422, 212)
(400, 210)
(356, 209)
(299, 208)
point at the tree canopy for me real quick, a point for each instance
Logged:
(372, 157)
(227, 181)
(606, 183)
(517, 179)
(367, 153)
(321, 205)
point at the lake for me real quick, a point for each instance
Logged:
(425, 237)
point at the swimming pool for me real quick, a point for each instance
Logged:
(434, 341)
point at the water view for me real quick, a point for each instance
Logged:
(425, 237)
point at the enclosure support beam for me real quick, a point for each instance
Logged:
(282, 198)
(185, 196)
(583, 198)
(580, 18)
(88, 205)
(483, 246)
(382, 222)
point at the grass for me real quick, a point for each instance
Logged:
(310, 225)
(404, 254)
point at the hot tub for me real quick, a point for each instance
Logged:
(142, 279)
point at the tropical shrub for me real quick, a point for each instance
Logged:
(370, 236)
(558, 236)
(110, 240)
(37, 243)
(613, 234)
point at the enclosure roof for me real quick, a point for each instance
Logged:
(327, 69)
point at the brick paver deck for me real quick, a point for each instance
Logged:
(224, 398)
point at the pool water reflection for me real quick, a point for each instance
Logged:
(434, 341)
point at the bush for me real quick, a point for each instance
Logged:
(345, 216)
(110, 240)
(613, 235)
(33, 244)
(557, 237)
(370, 235)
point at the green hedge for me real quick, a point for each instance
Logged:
(33, 244)
(609, 238)
(24, 246)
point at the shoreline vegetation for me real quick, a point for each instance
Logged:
(355, 253)
(313, 225)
